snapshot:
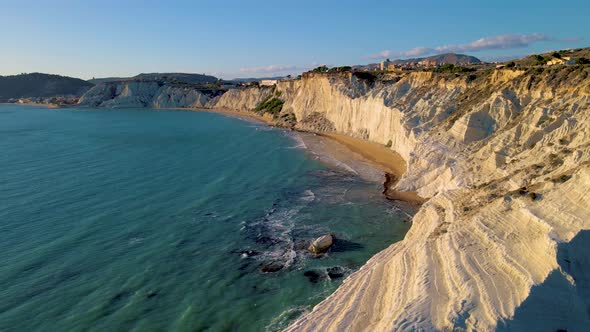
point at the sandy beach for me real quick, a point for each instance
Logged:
(381, 157)
(34, 104)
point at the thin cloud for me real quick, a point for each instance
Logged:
(573, 40)
(508, 41)
(275, 70)
(502, 58)
(269, 69)
(265, 71)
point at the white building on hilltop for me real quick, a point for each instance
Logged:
(268, 82)
(384, 65)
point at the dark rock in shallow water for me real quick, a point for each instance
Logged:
(336, 272)
(271, 267)
(331, 273)
(301, 245)
(313, 276)
(267, 240)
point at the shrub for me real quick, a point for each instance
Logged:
(271, 105)
(320, 69)
(451, 68)
(340, 69)
(540, 60)
(582, 61)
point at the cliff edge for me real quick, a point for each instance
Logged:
(503, 156)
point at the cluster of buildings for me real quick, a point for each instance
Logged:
(268, 82)
(566, 60)
(258, 83)
(388, 65)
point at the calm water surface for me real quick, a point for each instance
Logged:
(162, 220)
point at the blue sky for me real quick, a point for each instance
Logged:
(252, 38)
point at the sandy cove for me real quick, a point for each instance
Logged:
(382, 157)
(378, 155)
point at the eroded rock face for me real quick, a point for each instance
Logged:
(316, 122)
(178, 97)
(243, 99)
(143, 94)
(482, 246)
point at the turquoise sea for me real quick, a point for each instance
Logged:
(118, 220)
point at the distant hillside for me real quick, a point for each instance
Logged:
(108, 79)
(41, 85)
(166, 77)
(435, 60)
(441, 59)
(255, 79)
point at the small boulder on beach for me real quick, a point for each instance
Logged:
(321, 244)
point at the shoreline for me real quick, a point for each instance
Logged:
(375, 154)
(383, 158)
(52, 106)
(244, 114)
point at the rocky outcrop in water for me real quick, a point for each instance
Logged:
(321, 244)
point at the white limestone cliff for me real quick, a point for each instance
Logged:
(504, 161)
(143, 94)
(243, 99)
(503, 156)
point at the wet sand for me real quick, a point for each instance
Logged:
(381, 156)
(390, 166)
